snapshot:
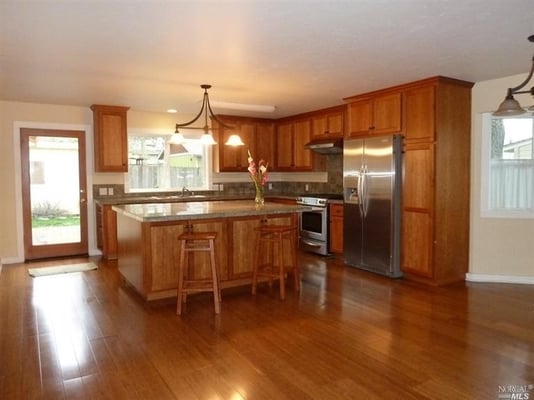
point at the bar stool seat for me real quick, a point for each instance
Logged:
(272, 239)
(197, 242)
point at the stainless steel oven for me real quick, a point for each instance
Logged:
(313, 224)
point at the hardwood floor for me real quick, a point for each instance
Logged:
(348, 335)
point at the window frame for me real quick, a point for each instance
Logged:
(189, 134)
(485, 211)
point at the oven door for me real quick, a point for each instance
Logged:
(313, 224)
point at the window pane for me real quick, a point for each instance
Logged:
(512, 139)
(511, 169)
(156, 164)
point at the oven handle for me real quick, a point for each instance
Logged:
(311, 244)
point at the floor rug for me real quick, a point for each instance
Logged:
(61, 269)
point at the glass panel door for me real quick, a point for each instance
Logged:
(54, 193)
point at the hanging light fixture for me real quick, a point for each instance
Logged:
(207, 137)
(510, 106)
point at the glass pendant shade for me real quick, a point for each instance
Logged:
(207, 139)
(509, 107)
(234, 140)
(177, 138)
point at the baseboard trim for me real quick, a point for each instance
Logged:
(487, 278)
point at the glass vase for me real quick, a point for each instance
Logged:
(259, 200)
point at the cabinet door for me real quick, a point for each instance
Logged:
(243, 239)
(417, 216)
(302, 157)
(110, 138)
(335, 124)
(359, 117)
(201, 259)
(236, 158)
(387, 114)
(419, 114)
(336, 228)
(284, 146)
(319, 126)
(265, 142)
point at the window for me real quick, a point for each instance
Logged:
(157, 165)
(508, 167)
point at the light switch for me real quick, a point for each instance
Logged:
(110, 191)
(103, 191)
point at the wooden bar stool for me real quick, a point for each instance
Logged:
(272, 238)
(197, 242)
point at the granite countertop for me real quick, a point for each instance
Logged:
(116, 200)
(186, 210)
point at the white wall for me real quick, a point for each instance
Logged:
(501, 249)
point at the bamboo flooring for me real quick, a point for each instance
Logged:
(348, 335)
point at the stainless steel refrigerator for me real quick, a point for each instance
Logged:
(372, 182)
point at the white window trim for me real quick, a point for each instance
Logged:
(485, 212)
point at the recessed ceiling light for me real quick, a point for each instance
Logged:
(171, 111)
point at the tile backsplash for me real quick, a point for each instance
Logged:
(334, 166)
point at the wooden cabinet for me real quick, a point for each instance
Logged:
(291, 137)
(329, 123)
(258, 137)
(110, 138)
(419, 106)
(336, 228)
(106, 231)
(375, 114)
(435, 207)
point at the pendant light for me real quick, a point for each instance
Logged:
(207, 137)
(510, 106)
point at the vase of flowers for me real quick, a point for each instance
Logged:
(258, 174)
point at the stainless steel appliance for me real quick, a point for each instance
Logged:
(372, 181)
(313, 224)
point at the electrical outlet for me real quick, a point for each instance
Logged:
(306, 187)
(110, 191)
(270, 186)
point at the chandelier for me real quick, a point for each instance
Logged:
(510, 106)
(207, 138)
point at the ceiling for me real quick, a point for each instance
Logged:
(296, 55)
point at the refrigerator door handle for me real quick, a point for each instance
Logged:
(364, 191)
(360, 191)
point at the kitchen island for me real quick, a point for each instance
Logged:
(148, 233)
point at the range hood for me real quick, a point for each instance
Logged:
(326, 146)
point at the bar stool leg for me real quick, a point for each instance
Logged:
(181, 267)
(215, 278)
(296, 275)
(256, 264)
(282, 272)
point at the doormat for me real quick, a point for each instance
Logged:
(61, 269)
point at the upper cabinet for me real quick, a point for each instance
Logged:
(329, 123)
(291, 137)
(110, 138)
(374, 114)
(256, 134)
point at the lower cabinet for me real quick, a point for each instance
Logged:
(106, 231)
(149, 252)
(336, 228)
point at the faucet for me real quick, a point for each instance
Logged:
(186, 191)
